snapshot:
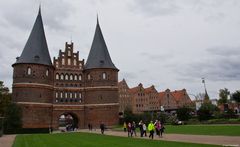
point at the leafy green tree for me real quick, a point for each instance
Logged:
(12, 120)
(206, 111)
(223, 96)
(183, 113)
(236, 96)
(5, 98)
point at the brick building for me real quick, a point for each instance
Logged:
(125, 101)
(46, 92)
(182, 98)
(167, 100)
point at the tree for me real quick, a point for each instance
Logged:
(223, 96)
(183, 113)
(236, 96)
(5, 98)
(206, 111)
(12, 120)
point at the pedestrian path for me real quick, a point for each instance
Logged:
(7, 140)
(202, 139)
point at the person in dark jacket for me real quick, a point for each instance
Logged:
(102, 127)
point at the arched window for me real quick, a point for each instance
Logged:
(66, 77)
(57, 76)
(61, 95)
(29, 71)
(62, 77)
(80, 77)
(71, 77)
(89, 77)
(63, 61)
(75, 77)
(66, 95)
(47, 72)
(104, 76)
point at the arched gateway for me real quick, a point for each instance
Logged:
(68, 121)
(67, 91)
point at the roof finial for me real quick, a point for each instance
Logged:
(39, 10)
(97, 19)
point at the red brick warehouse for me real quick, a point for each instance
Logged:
(46, 91)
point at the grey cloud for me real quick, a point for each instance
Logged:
(155, 7)
(221, 64)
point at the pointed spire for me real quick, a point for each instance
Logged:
(99, 56)
(36, 49)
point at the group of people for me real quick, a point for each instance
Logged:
(152, 127)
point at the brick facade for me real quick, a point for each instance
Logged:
(47, 91)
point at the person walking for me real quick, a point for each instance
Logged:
(102, 127)
(162, 129)
(134, 128)
(140, 124)
(124, 126)
(129, 128)
(151, 129)
(145, 129)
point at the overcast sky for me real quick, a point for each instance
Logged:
(167, 43)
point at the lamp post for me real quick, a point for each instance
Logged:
(206, 98)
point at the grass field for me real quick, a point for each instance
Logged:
(224, 130)
(91, 140)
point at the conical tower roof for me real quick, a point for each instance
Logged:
(36, 49)
(99, 56)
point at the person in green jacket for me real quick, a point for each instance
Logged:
(151, 128)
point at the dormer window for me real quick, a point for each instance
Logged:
(104, 76)
(89, 77)
(29, 71)
(47, 72)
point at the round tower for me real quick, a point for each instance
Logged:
(101, 84)
(33, 79)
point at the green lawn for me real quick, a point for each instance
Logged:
(91, 140)
(224, 130)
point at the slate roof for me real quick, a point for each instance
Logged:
(36, 49)
(99, 56)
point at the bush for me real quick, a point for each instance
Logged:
(206, 111)
(183, 113)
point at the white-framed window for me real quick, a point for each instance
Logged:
(71, 77)
(75, 77)
(61, 94)
(104, 76)
(66, 95)
(57, 76)
(74, 62)
(66, 77)
(80, 95)
(29, 71)
(57, 64)
(56, 94)
(70, 95)
(75, 95)
(47, 72)
(69, 53)
(89, 77)
(62, 77)
(80, 77)
(69, 61)
(63, 61)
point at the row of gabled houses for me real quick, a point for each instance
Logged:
(140, 99)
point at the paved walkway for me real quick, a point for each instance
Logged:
(7, 140)
(202, 139)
